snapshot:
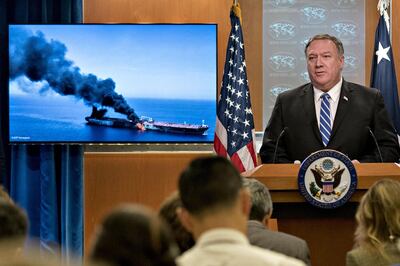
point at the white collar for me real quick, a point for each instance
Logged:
(222, 236)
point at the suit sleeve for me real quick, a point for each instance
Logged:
(384, 131)
(305, 254)
(271, 134)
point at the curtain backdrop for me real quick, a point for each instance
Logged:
(46, 180)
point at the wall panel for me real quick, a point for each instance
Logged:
(141, 177)
(111, 178)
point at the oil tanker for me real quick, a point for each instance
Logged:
(98, 118)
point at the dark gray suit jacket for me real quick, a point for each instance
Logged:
(359, 109)
(289, 245)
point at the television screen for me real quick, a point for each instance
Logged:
(112, 83)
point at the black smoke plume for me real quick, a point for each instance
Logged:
(31, 55)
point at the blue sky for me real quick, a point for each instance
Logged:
(151, 61)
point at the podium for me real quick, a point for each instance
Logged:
(328, 232)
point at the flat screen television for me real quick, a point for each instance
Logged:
(99, 83)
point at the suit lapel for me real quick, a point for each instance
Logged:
(307, 97)
(343, 105)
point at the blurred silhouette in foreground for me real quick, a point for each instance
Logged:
(377, 235)
(133, 235)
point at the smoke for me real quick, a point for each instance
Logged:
(32, 56)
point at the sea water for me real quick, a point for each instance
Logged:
(62, 119)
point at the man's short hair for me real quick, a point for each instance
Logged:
(338, 43)
(208, 184)
(261, 203)
(13, 221)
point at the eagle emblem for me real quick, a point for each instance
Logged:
(327, 179)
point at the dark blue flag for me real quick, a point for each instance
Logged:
(234, 132)
(383, 76)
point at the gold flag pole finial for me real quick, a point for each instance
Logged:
(236, 10)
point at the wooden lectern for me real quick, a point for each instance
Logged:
(329, 233)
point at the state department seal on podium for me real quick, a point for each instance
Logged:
(327, 179)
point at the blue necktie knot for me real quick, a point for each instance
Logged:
(325, 96)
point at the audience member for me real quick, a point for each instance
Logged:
(13, 226)
(33, 259)
(4, 195)
(377, 234)
(168, 212)
(257, 226)
(215, 209)
(133, 235)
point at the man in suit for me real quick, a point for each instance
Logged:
(215, 210)
(257, 226)
(350, 116)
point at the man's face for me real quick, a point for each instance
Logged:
(324, 64)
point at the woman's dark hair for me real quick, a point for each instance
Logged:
(167, 211)
(134, 235)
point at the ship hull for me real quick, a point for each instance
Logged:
(177, 128)
(167, 127)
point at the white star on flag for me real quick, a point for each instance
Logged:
(382, 53)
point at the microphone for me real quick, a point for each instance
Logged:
(277, 142)
(376, 143)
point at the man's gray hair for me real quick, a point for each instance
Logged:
(261, 203)
(336, 41)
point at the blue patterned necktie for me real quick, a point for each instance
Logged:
(325, 119)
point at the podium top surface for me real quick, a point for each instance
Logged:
(284, 176)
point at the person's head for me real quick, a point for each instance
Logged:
(261, 203)
(325, 61)
(378, 215)
(4, 195)
(168, 212)
(13, 224)
(133, 235)
(211, 187)
(30, 259)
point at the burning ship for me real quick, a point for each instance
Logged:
(98, 118)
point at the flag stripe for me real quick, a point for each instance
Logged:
(236, 161)
(219, 148)
(247, 161)
(220, 138)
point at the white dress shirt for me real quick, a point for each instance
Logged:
(334, 94)
(228, 247)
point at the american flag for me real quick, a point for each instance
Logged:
(234, 133)
(383, 76)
